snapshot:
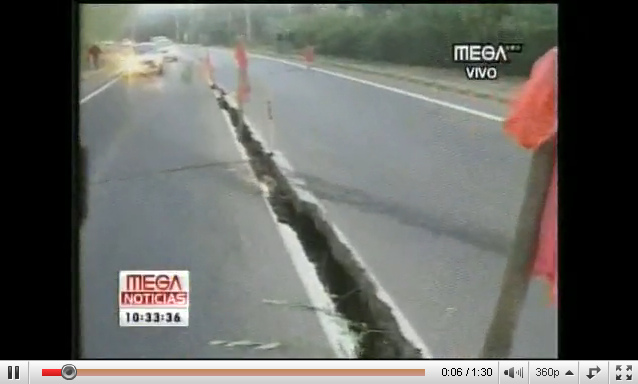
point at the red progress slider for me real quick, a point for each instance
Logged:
(51, 372)
(68, 372)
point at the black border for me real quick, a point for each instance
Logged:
(595, 286)
(565, 349)
(37, 312)
(596, 283)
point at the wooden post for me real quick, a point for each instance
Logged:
(500, 335)
(240, 102)
(272, 124)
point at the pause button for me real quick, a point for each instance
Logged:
(13, 372)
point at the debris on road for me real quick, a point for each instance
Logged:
(246, 343)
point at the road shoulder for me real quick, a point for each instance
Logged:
(92, 80)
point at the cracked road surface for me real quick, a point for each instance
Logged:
(426, 194)
(169, 191)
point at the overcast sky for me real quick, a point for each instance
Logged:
(167, 7)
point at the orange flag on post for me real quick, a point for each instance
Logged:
(243, 88)
(533, 121)
(240, 55)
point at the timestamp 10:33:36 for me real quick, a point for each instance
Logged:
(466, 372)
(153, 317)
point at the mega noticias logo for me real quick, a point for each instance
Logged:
(481, 59)
(154, 290)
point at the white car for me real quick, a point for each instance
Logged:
(144, 59)
(167, 49)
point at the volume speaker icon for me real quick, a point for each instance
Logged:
(510, 372)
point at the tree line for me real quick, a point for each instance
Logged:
(423, 34)
(411, 34)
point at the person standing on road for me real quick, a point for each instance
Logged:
(94, 56)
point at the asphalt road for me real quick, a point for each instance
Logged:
(427, 195)
(169, 192)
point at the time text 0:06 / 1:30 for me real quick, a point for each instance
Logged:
(467, 372)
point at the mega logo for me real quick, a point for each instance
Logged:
(154, 290)
(482, 59)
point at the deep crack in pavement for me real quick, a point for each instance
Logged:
(353, 292)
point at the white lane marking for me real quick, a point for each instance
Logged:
(419, 96)
(97, 91)
(404, 324)
(335, 329)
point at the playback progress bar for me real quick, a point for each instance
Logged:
(70, 372)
